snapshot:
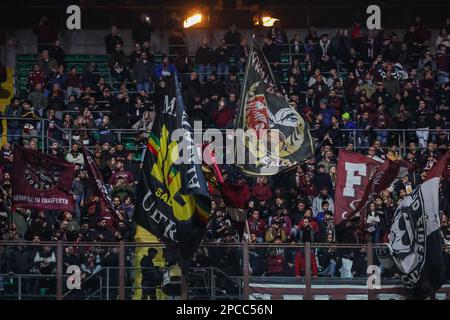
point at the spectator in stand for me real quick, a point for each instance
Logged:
(47, 64)
(276, 260)
(142, 31)
(242, 52)
(90, 77)
(318, 201)
(112, 39)
(278, 35)
(323, 48)
(221, 55)
(222, 117)
(232, 85)
(257, 226)
(75, 156)
(74, 83)
(14, 125)
(58, 53)
(143, 73)
(118, 56)
(296, 46)
(233, 40)
(36, 77)
(204, 57)
(165, 69)
(46, 33)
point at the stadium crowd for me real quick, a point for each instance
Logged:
(351, 87)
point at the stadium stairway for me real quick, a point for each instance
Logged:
(6, 93)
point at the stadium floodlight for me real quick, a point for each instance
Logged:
(267, 21)
(192, 20)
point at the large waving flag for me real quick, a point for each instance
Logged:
(41, 181)
(280, 137)
(415, 240)
(173, 202)
(360, 179)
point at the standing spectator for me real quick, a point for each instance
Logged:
(296, 46)
(165, 69)
(74, 83)
(38, 100)
(118, 56)
(204, 57)
(322, 197)
(373, 222)
(278, 35)
(143, 73)
(58, 53)
(241, 54)
(151, 275)
(233, 39)
(223, 116)
(46, 34)
(323, 48)
(112, 39)
(35, 77)
(142, 31)
(443, 39)
(380, 122)
(221, 55)
(423, 122)
(232, 86)
(14, 110)
(341, 44)
(257, 226)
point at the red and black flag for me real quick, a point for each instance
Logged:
(41, 181)
(276, 137)
(99, 188)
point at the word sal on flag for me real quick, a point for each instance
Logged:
(41, 181)
(172, 198)
(360, 179)
(415, 240)
(282, 135)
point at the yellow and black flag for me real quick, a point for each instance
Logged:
(173, 202)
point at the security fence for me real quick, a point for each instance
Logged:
(108, 271)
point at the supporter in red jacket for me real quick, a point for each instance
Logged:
(257, 226)
(222, 116)
(276, 260)
(261, 191)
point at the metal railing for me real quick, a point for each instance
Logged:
(360, 138)
(211, 282)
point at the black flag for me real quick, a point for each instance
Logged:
(172, 198)
(280, 135)
(415, 240)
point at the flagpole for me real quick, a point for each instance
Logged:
(243, 94)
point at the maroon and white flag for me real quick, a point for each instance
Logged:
(353, 175)
(41, 181)
(99, 186)
(360, 179)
